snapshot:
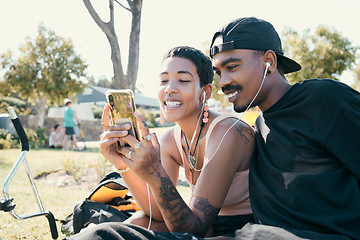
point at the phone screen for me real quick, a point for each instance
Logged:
(122, 109)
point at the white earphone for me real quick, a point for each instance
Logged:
(266, 68)
(257, 93)
(204, 95)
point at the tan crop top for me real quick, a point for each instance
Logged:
(237, 199)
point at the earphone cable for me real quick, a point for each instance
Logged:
(262, 82)
(148, 191)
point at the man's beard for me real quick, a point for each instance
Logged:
(243, 107)
(240, 108)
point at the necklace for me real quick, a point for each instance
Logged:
(191, 158)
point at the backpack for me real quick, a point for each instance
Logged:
(110, 201)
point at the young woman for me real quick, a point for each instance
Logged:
(214, 151)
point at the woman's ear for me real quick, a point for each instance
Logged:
(208, 91)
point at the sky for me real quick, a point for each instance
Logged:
(164, 24)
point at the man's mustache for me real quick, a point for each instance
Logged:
(231, 88)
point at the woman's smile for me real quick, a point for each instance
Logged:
(172, 104)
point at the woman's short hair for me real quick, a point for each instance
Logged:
(200, 60)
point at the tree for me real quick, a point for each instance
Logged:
(104, 82)
(46, 72)
(356, 84)
(120, 79)
(325, 54)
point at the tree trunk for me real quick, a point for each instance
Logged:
(120, 80)
(40, 107)
(134, 43)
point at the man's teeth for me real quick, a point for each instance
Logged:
(172, 103)
(230, 95)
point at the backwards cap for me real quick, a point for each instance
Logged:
(253, 34)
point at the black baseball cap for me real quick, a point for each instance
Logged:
(253, 34)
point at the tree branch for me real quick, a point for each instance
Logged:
(93, 13)
(112, 15)
(122, 5)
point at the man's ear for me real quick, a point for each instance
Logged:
(270, 57)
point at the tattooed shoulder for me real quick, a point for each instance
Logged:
(244, 130)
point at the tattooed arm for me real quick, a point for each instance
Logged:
(212, 185)
(177, 214)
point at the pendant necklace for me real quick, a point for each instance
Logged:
(191, 158)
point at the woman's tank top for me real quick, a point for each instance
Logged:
(237, 199)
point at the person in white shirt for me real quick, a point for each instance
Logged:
(56, 139)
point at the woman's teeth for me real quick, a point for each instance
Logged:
(172, 103)
(230, 95)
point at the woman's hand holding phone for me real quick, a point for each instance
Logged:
(145, 158)
(142, 157)
(109, 138)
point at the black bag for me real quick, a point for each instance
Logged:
(110, 201)
(95, 212)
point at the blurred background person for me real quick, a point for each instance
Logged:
(56, 139)
(69, 116)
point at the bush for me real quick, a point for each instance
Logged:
(8, 140)
(3, 133)
(4, 144)
(33, 139)
(102, 166)
(97, 111)
(37, 138)
(73, 167)
(18, 105)
(40, 132)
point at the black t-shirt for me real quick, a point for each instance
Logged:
(306, 172)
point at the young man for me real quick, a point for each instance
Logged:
(305, 175)
(69, 116)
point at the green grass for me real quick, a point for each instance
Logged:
(58, 200)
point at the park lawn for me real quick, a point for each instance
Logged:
(58, 200)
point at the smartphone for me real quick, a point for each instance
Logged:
(122, 110)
